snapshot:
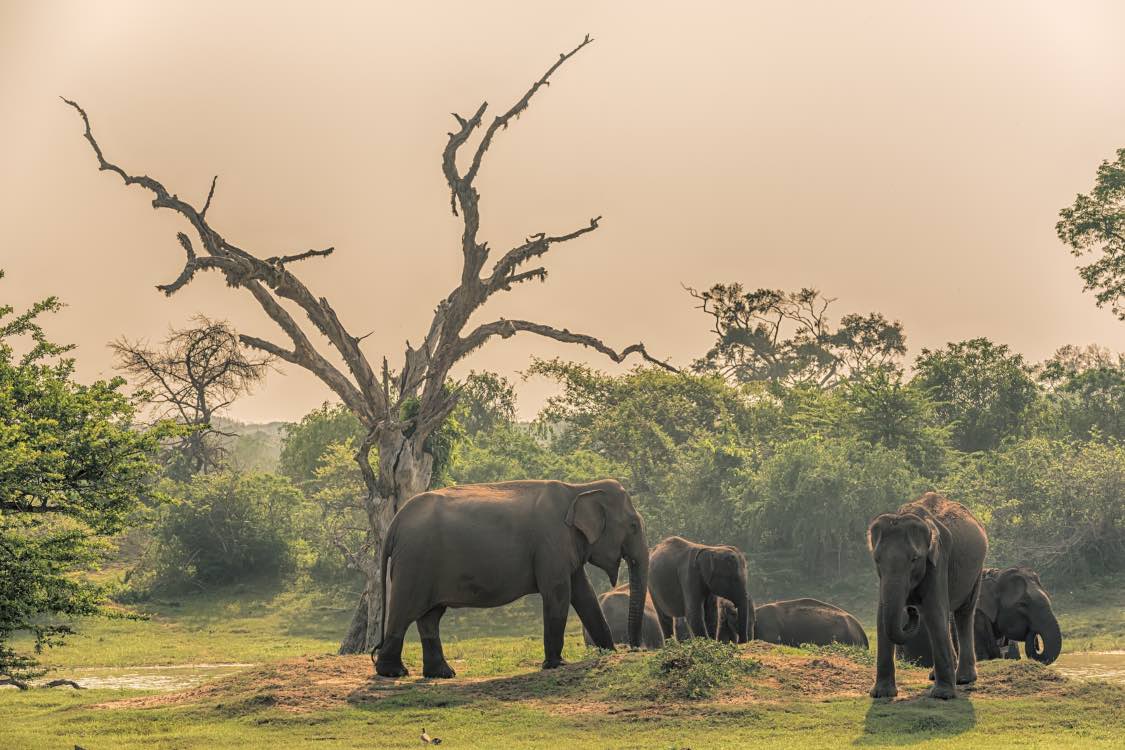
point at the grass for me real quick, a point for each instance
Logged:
(1093, 617)
(697, 696)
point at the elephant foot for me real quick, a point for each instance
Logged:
(442, 671)
(967, 677)
(884, 690)
(943, 692)
(554, 663)
(388, 668)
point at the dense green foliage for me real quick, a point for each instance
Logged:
(71, 469)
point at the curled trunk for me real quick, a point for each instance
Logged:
(1045, 628)
(638, 588)
(892, 607)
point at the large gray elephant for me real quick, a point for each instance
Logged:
(686, 580)
(486, 545)
(929, 556)
(793, 622)
(615, 606)
(1013, 607)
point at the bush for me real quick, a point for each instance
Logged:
(816, 496)
(228, 527)
(695, 668)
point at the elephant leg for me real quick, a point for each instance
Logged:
(966, 637)
(936, 618)
(433, 658)
(556, 607)
(666, 625)
(885, 663)
(389, 662)
(711, 616)
(696, 625)
(585, 603)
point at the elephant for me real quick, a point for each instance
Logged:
(686, 579)
(727, 620)
(486, 545)
(793, 622)
(615, 606)
(929, 556)
(1012, 607)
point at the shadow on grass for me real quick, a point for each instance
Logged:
(382, 695)
(915, 720)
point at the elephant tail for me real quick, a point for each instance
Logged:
(384, 556)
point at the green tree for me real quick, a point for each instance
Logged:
(1087, 391)
(787, 337)
(306, 442)
(485, 401)
(72, 467)
(981, 389)
(1095, 225)
(814, 498)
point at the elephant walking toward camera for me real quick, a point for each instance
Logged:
(687, 579)
(615, 607)
(1012, 607)
(793, 622)
(487, 545)
(929, 556)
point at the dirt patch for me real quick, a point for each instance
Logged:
(593, 686)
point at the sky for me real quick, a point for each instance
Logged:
(909, 158)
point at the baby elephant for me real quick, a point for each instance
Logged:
(615, 606)
(796, 621)
(686, 580)
(728, 623)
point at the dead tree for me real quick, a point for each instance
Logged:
(194, 374)
(399, 408)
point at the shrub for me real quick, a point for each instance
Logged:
(228, 527)
(696, 668)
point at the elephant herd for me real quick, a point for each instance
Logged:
(490, 544)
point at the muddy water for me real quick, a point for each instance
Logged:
(169, 677)
(1101, 665)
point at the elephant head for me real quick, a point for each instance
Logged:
(902, 545)
(728, 621)
(1016, 606)
(603, 514)
(724, 571)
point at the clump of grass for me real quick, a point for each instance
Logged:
(856, 654)
(694, 669)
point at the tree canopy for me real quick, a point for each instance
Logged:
(1095, 226)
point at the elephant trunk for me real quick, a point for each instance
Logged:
(892, 606)
(637, 556)
(1046, 628)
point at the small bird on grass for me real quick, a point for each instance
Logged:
(428, 740)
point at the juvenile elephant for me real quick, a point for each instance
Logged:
(727, 621)
(929, 555)
(686, 581)
(795, 621)
(486, 545)
(615, 607)
(1012, 607)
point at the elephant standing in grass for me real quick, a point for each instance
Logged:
(929, 556)
(796, 621)
(615, 607)
(487, 545)
(1013, 607)
(687, 580)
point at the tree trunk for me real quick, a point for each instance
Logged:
(404, 471)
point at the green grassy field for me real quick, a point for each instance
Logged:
(300, 696)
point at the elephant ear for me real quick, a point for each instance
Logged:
(587, 515)
(988, 603)
(935, 543)
(706, 561)
(1010, 589)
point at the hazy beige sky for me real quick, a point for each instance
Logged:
(909, 158)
